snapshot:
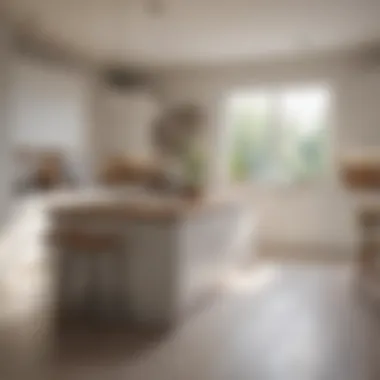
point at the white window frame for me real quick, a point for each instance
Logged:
(328, 173)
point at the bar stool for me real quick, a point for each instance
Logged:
(369, 220)
(90, 273)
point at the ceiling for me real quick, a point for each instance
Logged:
(183, 32)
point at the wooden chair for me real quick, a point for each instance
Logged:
(361, 175)
(369, 223)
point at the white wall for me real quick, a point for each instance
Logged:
(126, 123)
(70, 108)
(321, 213)
(123, 123)
(50, 109)
(5, 169)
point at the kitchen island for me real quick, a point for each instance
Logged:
(176, 250)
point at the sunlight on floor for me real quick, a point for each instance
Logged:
(22, 256)
(252, 280)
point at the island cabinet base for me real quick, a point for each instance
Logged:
(167, 265)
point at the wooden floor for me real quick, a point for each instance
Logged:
(273, 321)
(276, 322)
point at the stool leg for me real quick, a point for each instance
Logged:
(79, 279)
(119, 299)
(91, 285)
(67, 281)
(112, 287)
(62, 278)
(106, 288)
(368, 249)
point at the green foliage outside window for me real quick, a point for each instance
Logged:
(289, 147)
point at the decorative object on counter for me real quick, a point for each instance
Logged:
(119, 170)
(194, 168)
(176, 126)
(178, 136)
(50, 172)
(40, 169)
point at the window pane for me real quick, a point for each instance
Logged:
(278, 136)
(304, 133)
(251, 157)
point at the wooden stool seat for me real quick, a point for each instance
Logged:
(84, 240)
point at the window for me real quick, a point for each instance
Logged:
(278, 136)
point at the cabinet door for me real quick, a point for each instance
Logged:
(358, 112)
(131, 118)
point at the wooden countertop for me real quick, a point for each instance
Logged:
(136, 205)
